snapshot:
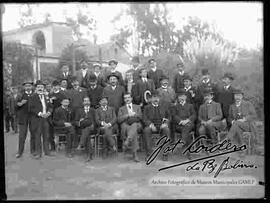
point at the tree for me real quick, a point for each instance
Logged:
(27, 18)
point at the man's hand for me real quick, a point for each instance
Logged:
(67, 124)
(24, 101)
(164, 125)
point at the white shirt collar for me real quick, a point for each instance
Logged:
(206, 81)
(155, 105)
(114, 87)
(104, 108)
(227, 87)
(238, 103)
(183, 103)
(187, 88)
(154, 69)
(181, 73)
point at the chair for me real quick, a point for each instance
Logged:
(99, 144)
(59, 139)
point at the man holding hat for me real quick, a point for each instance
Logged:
(225, 95)
(94, 91)
(100, 77)
(209, 116)
(82, 75)
(156, 119)
(114, 92)
(242, 115)
(24, 118)
(154, 73)
(184, 118)
(178, 82)
(113, 64)
(40, 109)
(166, 93)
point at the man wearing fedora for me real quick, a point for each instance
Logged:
(82, 75)
(154, 73)
(40, 109)
(94, 91)
(225, 95)
(209, 116)
(99, 75)
(113, 64)
(166, 92)
(114, 92)
(178, 82)
(24, 118)
(242, 115)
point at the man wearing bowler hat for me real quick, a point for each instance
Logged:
(40, 109)
(94, 91)
(154, 73)
(209, 116)
(24, 118)
(113, 64)
(178, 82)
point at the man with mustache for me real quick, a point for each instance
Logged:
(113, 64)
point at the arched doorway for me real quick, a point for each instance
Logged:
(39, 41)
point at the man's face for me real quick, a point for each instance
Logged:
(64, 83)
(144, 73)
(56, 88)
(127, 99)
(129, 76)
(226, 81)
(65, 68)
(40, 89)
(28, 87)
(238, 97)
(187, 83)
(92, 84)
(48, 87)
(97, 69)
(84, 65)
(152, 64)
(113, 80)
(112, 66)
(164, 83)
(86, 101)
(180, 68)
(65, 103)
(75, 84)
(155, 100)
(103, 102)
(135, 64)
(208, 97)
(206, 77)
(182, 98)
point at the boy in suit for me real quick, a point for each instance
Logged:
(129, 117)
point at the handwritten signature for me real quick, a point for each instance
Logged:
(164, 143)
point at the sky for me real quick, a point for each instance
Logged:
(237, 22)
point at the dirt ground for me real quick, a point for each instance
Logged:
(118, 177)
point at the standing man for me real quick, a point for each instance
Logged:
(129, 83)
(99, 75)
(94, 91)
(13, 109)
(166, 93)
(154, 73)
(85, 120)
(210, 115)
(225, 96)
(66, 74)
(62, 120)
(129, 117)
(191, 92)
(39, 107)
(242, 115)
(178, 82)
(7, 114)
(156, 118)
(82, 75)
(135, 68)
(113, 64)
(24, 119)
(114, 92)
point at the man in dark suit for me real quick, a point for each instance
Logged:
(210, 115)
(82, 75)
(154, 73)
(135, 68)
(94, 91)
(129, 116)
(178, 82)
(192, 94)
(7, 115)
(113, 64)
(184, 118)
(242, 115)
(166, 92)
(106, 123)
(129, 83)
(141, 86)
(99, 75)
(12, 102)
(62, 120)
(156, 118)
(24, 119)
(40, 108)
(85, 121)
(225, 96)
(66, 74)
(114, 92)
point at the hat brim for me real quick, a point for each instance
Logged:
(108, 77)
(31, 83)
(112, 61)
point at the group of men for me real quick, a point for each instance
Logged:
(92, 102)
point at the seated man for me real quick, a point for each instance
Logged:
(155, 119)
(84, 120)
(184, 118)
(210, 115)
(62, 121)
(129, 116)
(241, 116)
(106, 120)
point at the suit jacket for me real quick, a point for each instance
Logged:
(68, 78)
(178, 82)
(215, 112)
(35, 105)
(23, 111)
(193, 100)
(155, 76)
(124, 111)
(202, 86)
(130, 87)
(61, 116)
(246, 110)
(56, 99)
(184, 112)
(149, 116)
(95, 95)
(107, 116)
(139, 89)
(101, 80)
(135, 73)
(167, 96)
(76, 97)
(226, 98)
(115, 97)
(83, 81)
(89, 118)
